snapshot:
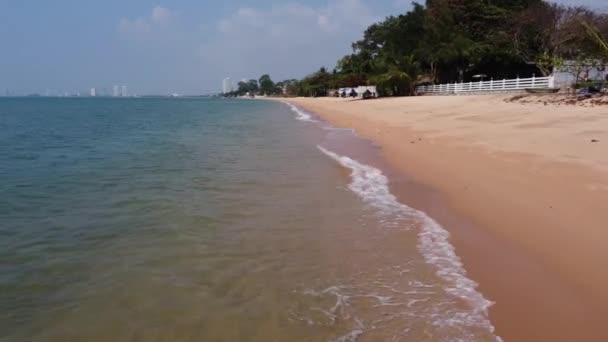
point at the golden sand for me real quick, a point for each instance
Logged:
(532, 177)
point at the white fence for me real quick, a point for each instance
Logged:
(488, 86)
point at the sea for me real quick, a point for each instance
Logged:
(192, 219)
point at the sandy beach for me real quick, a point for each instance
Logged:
(528, 181)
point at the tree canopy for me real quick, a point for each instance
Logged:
(444, 41)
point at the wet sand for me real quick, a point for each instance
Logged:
(521, 187)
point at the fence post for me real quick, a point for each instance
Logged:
(503, 83)
(533, 80)
(517, 83)
(491, 84)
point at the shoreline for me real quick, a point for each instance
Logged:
(510, 204)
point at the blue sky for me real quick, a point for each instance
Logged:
(183, 46)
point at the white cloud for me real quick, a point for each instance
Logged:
(140, 27)
(338, 15)
(286, 40)
(161, 15)
(136, 26)
(323, 22)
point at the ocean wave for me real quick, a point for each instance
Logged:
(300, 114)
(372, 186)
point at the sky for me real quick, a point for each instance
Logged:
(177, 46)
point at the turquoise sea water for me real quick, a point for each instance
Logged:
(211, 220)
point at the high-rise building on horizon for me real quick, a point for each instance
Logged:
(123, 91)
(93, 92)
(115, 92)
(227, 85)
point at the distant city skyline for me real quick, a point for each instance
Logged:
(182, 46)
(115, 91)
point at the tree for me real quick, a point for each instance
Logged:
(267, 87)
(253, 86)
(242, 88)
(597, 37)
(546, 33)
(453, 40)
(396, 76)
(249, 87)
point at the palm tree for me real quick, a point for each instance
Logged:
(398, 75)
(597, 36)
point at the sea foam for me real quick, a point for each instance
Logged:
(372, 186)
(301, 115)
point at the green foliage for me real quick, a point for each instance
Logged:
(597, 37)
(396, 76)
(250, 87)
(547, 62)
(267, 86)
(445, 41)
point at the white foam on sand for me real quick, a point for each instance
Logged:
(372, 186)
